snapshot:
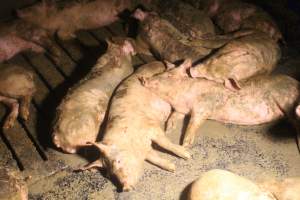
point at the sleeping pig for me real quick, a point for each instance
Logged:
(17, 88)
(77, 16)
(222, 184)
(262, 99)
(82, 111)
(136, 120)
(18, 36)
(170, 44)
(239, 60)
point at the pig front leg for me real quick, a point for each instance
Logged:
(24, 107)
(12, 116)
(165, 143)
(174, 121)
(196, 120)
(155, 159)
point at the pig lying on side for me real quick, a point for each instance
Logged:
(222, 184)
(20, 36)
(170, 44)
(239, 60)
(262, 99)
(78, 16)
(232, 15)
(16, 91)
(12, 185)
(82, 111)
(136, 120)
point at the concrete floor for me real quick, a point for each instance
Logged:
(256, 152)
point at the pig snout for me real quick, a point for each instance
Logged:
(139, 14)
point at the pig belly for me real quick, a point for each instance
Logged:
(243, 111)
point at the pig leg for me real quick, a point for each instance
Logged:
(91, 166)
(196, 120)
(66, 34)
(174, 122)
(11, 118)
(165, 143)
(24, 107)
(153, 158)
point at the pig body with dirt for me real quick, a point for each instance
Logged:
(190, 21)
(20, 36)
(12, 185)
(222, 184)
(76, 16)
(136, 120)
(162, 38)
(240, 59)
(262, 99)
(82, 111)
(17, 88)
(232, 15)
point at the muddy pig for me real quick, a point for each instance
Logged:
(222, 184)
(239, 60)
(190, 21)
(12, 185)
(232, 15)
(77, 16)
(17, 88)
(162, 38)
(133, 125)
(82, 110)
(262, 99)
(18, 36)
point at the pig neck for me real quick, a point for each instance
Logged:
(193, 92)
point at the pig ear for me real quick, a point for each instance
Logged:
(103, 148)
(184, 66)
(232, 84)
(128, 47)
(298, 111)
(213, 8)
(109, 42)
(169, 65)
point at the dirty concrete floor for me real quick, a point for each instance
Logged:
(256, 152)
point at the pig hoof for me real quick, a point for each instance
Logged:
(8, 124)
(188, 142)
(172, 168)
(25, 115)
(186, 155)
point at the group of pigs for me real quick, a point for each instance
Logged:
(224, 52)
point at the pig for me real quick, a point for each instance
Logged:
(82, 110)
(76, 16)
(12, 185)
(19, 36)
(136, 120)
(17, 88)
(170, 44)
(190, 21)
(232, 15)
(262, 99)
(222, 184)
(239, 60)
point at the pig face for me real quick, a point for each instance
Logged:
(121, 163)
(125, 45)
(165, 82)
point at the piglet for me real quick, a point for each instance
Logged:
(225, 185)
(136, 120)
(82, 110)
(240, 60)
(75, 16)
(17, 88)
(262, 99)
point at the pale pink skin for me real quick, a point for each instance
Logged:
(261, 99)
(17, 88)
(75, 17)
(134, 124)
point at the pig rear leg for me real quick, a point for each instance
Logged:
(12, 116)
(154, 158)
(174, 122)
(24, 107)
(165, 143)
(194, 124)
